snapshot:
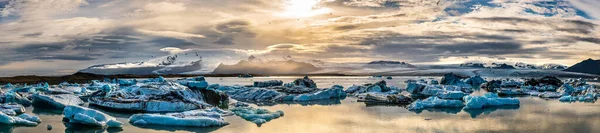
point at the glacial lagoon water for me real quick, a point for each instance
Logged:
(345, 116)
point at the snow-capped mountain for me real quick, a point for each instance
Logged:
(522, 65)
(172, 64)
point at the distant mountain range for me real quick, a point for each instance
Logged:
(518, 65)
(256, 66)
(382, 63)
(588, 66)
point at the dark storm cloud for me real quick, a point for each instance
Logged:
(345, 27)
(225, 40)
(440, 44)
(228, 31)
(66, 57)
(571, 26)
(32, 34)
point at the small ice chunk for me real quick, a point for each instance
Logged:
(57, 101)
(194, 118)
(435, 102)
(488, 100)
(30, 118)
(452, 95)
(86, 116)
(12, 120)
(256, 115)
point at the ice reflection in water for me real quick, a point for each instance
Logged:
(347, 115)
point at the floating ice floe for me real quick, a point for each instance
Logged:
(158, 95)
(86, 116)
(452, 95)
(194, 118)
(256, 115)
(14, 97)
(434, 102)
(488, 100)
(550, 95)
(384, 98)
(15, 120)
(31, 118)
(299, 91)
(55, 101)
(378, 87)
(12, 108)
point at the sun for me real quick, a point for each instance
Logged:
(302, 8)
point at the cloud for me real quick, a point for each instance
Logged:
(174, 50)
(65, 57)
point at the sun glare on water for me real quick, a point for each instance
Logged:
(302, 8)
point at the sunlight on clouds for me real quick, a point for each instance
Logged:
(302, 8)
(173, 34)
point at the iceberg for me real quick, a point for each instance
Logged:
(194, 118)
(303, 82)
(488, 100)
(158, 95)
(56, 101)
(379, 86)
(15, 97)
(451, 95)
(550, 95)
(475, 80)
(31, 118)
(434, 102)
(86, 116)
(268, 83)
(384, 98)
(127, 82)
(334, 92)
(256, 115)
(12, 120)
(12, 109)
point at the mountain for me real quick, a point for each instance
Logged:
(588, 66)
(266, 68)
(522, 65)
(387, 64)
(473, 65)
(502, 66)
(170, 65)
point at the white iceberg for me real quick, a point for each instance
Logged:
(12, 120)
(86, 116)
(57, 101)
(488, 100)
(194, 118)
(256, 115)
(435, 102)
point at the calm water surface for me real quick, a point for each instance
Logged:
(534, 115)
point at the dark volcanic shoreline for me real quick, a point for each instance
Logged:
(87, 77)
(81, 77)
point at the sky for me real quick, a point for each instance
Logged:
(55, 37)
